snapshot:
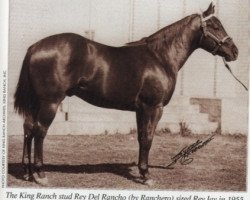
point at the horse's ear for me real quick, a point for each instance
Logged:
(209, 11)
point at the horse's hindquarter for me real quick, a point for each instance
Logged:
(55, 64)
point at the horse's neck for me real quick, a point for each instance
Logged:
(179, 43)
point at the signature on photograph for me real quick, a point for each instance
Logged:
(183, 155)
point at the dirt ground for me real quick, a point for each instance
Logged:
(110, 161)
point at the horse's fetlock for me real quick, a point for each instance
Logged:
(143, 169)
(143, 166)
(38, 165)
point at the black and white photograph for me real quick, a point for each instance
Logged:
(141, 95)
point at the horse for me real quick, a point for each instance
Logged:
(139, 77)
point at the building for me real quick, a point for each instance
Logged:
(207, 97)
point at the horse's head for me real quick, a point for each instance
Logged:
(214, 38)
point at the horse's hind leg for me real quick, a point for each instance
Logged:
(44, 118)
(28, 137)
(147, 120)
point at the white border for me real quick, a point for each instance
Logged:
(4, 26)
(4, 22)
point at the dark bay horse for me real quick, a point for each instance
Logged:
(139, 77)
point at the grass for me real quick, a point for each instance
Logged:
(109, 161)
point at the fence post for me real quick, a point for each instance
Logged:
(182, 70)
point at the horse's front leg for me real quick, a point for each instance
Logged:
(147, 120)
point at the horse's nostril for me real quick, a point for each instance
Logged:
(235, 51)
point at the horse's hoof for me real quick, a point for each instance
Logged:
(41, 181)
(149, 182)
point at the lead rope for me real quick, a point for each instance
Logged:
(229, 69)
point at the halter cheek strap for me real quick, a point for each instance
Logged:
(206, 33)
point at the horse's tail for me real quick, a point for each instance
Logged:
(26, 101)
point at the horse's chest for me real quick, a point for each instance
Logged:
(157, 90)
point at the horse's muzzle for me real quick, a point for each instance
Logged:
(233, 54)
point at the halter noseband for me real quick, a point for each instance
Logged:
(206, 33)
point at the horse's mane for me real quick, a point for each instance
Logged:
(165, 35)
(138, 42)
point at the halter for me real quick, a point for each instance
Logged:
(206, 33)
(218, 42)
